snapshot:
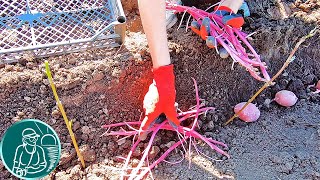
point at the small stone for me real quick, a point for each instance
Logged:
(66, 156)
(16, 119)
(98, 76)
(75, 170)
(98, 172)
(8, 67)
(84, 137)
(43, 89)
(53, 121)
(136, 152)
(169, 144)
(276, 159)
(138, 57)
(135, 162)
(210, 125)
(56, 114)
(24, 77)
(85, 130)
(112, 146)
(101, 67)
(26, 98)
(30, 65)
(100, 112)
(285, 74)
(102, 96)
(72, 61)
(105, 110)
(121, 141)
(65, 145)
(88, 154)
(267, 102)
(209, 134)
(61, 176)
(154, 152)
(20, 113)
(76, 125)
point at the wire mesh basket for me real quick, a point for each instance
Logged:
(42, 28)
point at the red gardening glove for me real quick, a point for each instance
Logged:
(160, 98)
(204, 30)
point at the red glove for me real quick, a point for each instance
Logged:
(160, 98)
(228, 17)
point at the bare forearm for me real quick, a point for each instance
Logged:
(153, 19)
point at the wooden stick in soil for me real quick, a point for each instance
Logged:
(74, 141)
(285, 65)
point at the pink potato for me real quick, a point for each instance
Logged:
(286, 98)
(318, 85)
(250, 114)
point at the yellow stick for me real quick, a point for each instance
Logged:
(63, 114)
(285, 65)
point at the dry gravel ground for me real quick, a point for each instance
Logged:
(105, 86)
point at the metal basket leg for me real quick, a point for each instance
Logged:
(120, 29)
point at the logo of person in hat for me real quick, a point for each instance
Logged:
(29, 157)
(30, 149)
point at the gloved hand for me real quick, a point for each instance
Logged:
(160, 99)
(228, 17)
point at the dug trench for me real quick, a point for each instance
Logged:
(105, 86)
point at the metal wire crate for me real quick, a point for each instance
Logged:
(42, 28)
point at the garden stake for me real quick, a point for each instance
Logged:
(68, 123)
(285, 65)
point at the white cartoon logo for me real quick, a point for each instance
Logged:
(31, 158)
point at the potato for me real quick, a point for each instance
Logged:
(250, 114)
(318, 85)
(286, 98)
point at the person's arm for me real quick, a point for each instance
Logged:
(161, 95)
(234, 5)
(16, 160)
(153, 19)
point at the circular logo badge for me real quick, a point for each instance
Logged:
(30, 149)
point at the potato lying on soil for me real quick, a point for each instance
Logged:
(286, 98)
(250, 114)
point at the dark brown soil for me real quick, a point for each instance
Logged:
(105, 86)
